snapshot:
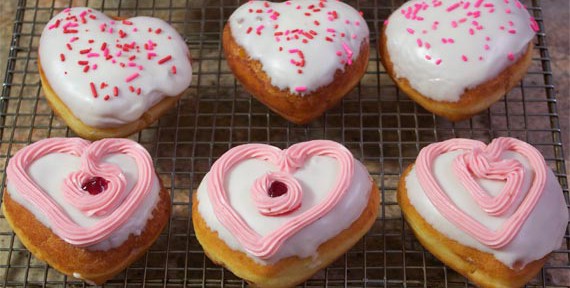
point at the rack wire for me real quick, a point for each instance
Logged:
(379, 124)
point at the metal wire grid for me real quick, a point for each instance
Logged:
(381, 126)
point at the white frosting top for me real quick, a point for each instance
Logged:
(316, 178)
(446, 46)
(49, 173)
(300, 44)
(110, 72)
(539, 235)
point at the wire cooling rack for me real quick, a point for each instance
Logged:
(380, 125)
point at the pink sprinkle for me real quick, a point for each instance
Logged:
(348, 53)
(466, 5)
(132, 77)
(450, 40)
(453, 24)
(150, 55)
(471, 31)
(464, 58)
(94, 66)
(508, 11)
(132, 64)
(444, 40)
(300, 88)
(259, 28)
(118, 54)
(331, 30)
(428, 57)
(54, 25)
(102, 27)
(534, 25)
(348, 21)
(293, 50)
(488, 38)
(427, 45)
(410, 30)
(339, 53)
(73, 39)
(452, 7)
(438, 61)
(111, 30)
(511, 56)
(386, 22)
(487, 47)
(513, 31)
(353, 36)
(357, 23)
(419, 41)
(90, 55)
(66, 10)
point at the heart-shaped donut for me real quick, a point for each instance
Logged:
(109, 77)
(492, 212)
(281, 215)
(95, 200)
(297, 57)
(457, 58)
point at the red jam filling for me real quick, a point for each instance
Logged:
(277, 189)
(95, 185)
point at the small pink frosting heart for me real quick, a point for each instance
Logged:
(115, 205)
(287, 161)
(484, 162)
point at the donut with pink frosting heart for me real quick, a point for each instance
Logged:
(275, 217)
(108, 77)
(87, 209)
(298, 57)
(491, 212)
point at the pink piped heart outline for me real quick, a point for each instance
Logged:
(91, 155)
(484, 165)
(442, 202)
(287, 161)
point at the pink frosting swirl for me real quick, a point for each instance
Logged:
(116, 207)
(287, 161)
(272, 206)
(484, 161)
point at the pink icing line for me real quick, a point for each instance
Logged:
(288, 161)
(488, 165)
(286, 203)
(91, 154)
(511, 227)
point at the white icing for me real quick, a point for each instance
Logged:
(320, 55)
(50, 171)
(448, 80)
(539, 235)
(316, 178)
(74, 89)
